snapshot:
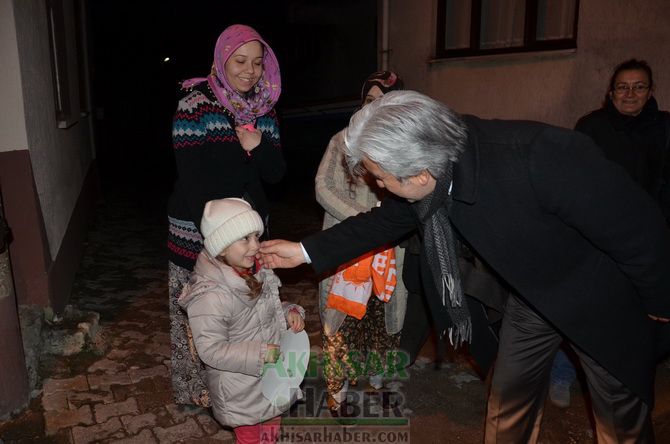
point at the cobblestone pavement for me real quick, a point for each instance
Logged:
(118, 390)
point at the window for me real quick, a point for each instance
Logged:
(468, 28)
(64, 60)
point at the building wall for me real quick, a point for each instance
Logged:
(60, 157)
(47, 185)
(14, 389)
(554, 87)
(12, 123)
(46, 172)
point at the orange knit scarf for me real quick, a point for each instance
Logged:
(353, 283)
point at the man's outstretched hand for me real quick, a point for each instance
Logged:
(279, 253)
(659, 319)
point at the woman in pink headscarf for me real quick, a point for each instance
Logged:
(226, 144)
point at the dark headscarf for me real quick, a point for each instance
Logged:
(385, 80)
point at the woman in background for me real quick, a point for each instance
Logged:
(633, 132)
(378, 332)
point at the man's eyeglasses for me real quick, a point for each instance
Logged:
(637, 88)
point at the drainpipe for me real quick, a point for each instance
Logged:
(385, 35)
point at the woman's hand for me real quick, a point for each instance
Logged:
(295, 321)
(272, 354)
(249, 138)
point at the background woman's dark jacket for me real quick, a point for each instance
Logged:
(639, 144)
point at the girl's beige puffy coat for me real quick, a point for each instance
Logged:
(231, 333)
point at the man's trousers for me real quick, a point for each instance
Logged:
(520, 384)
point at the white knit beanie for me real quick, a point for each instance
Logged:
(225, 221)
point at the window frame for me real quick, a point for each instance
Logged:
(64, 47)
(530, 42)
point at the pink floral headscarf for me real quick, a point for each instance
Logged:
(263, 97)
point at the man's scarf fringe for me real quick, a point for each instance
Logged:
(440, 250)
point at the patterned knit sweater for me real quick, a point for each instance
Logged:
(211, 164)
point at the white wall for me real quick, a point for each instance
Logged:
(60, 157)
(12, 123)
(556, 88)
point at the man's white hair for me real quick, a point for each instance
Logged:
(405, 132)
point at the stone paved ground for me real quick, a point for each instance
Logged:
(118, 391)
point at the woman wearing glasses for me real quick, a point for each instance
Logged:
(632, 131)
(635, 134)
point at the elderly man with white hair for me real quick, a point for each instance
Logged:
(585, 250)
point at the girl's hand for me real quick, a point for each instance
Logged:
(295, 321)
(249, 138)
(272, 354)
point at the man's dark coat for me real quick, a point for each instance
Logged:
(567, 229)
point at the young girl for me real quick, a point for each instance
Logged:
(237, 319)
